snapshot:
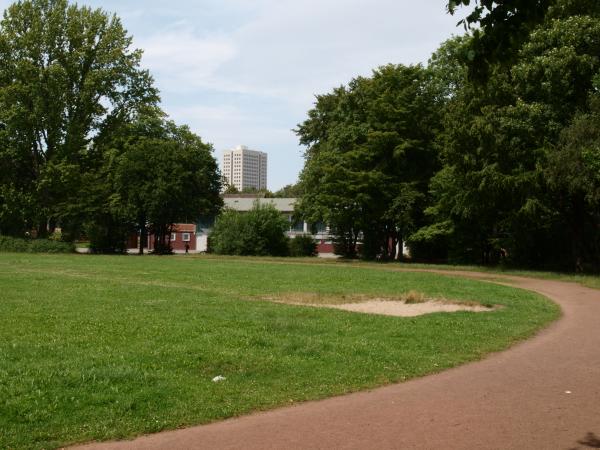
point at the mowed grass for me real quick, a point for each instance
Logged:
(97, 348)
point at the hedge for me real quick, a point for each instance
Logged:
(16, 245)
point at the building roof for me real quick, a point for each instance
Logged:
(184, 228)
(246, 204)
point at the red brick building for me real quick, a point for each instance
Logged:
(183, 234)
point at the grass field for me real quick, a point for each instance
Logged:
(96, 348)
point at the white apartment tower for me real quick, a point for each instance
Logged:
(245, 168)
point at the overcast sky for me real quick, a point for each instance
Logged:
(246, 71)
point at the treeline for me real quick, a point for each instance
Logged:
(84, 145)
(288, 191)
(490, 153)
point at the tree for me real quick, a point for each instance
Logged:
(493, 195)
(230, 189)
(68, 76)
(370, 155)
(259, 232)
(163, 174)
(289, 191)
(504, 26)
(573, 173)
(501, 27)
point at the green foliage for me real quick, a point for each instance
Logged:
(501, 138)
(290, 191)
(106, 235)
(260, 232)
(370, 155)
(162, 174)
(499, 28)
(231, 189)
(17, 245)
(488, 155)
(67, 77)
(573, 174)
(303, 245)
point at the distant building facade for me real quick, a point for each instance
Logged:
(245, 168)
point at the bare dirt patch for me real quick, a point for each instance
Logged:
(409, 304)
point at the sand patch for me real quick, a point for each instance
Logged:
(409, 304)
(403, 309)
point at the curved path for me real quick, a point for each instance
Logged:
(541, 394)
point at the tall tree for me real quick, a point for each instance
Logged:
(499, 28)
(493, 191)
(68, 75)
(370, 155)
(163, 174)
(573, 174)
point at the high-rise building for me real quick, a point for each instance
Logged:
(245, 168)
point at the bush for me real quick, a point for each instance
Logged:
(259, 232)
(107, 236)
(9, 244)
(303, 245)
(16, 245)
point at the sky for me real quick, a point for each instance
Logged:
(247, 71)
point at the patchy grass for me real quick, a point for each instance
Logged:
(410, 304)
(319, 298)
(98, 347)
(412, 297)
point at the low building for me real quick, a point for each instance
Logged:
(183, 238)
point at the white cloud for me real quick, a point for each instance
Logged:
(296, 49)
(184, 60)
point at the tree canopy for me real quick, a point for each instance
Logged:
(370, 155)
(163, 174)
(488, 154)
(83, 143)
(68, 75)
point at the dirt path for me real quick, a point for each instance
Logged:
(541, 394)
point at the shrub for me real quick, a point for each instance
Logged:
(259, 232)
(107, 236)
(303, 245)
(11, 244)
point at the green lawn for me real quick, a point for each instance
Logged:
(96, 348)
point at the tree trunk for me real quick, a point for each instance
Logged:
(42, 230)
(400, 247)
(577, 232)
(143, 233)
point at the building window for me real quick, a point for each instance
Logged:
(186, 237)
(173, 237)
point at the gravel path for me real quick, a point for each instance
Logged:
(540, 394)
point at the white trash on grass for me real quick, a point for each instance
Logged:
(218, 379)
